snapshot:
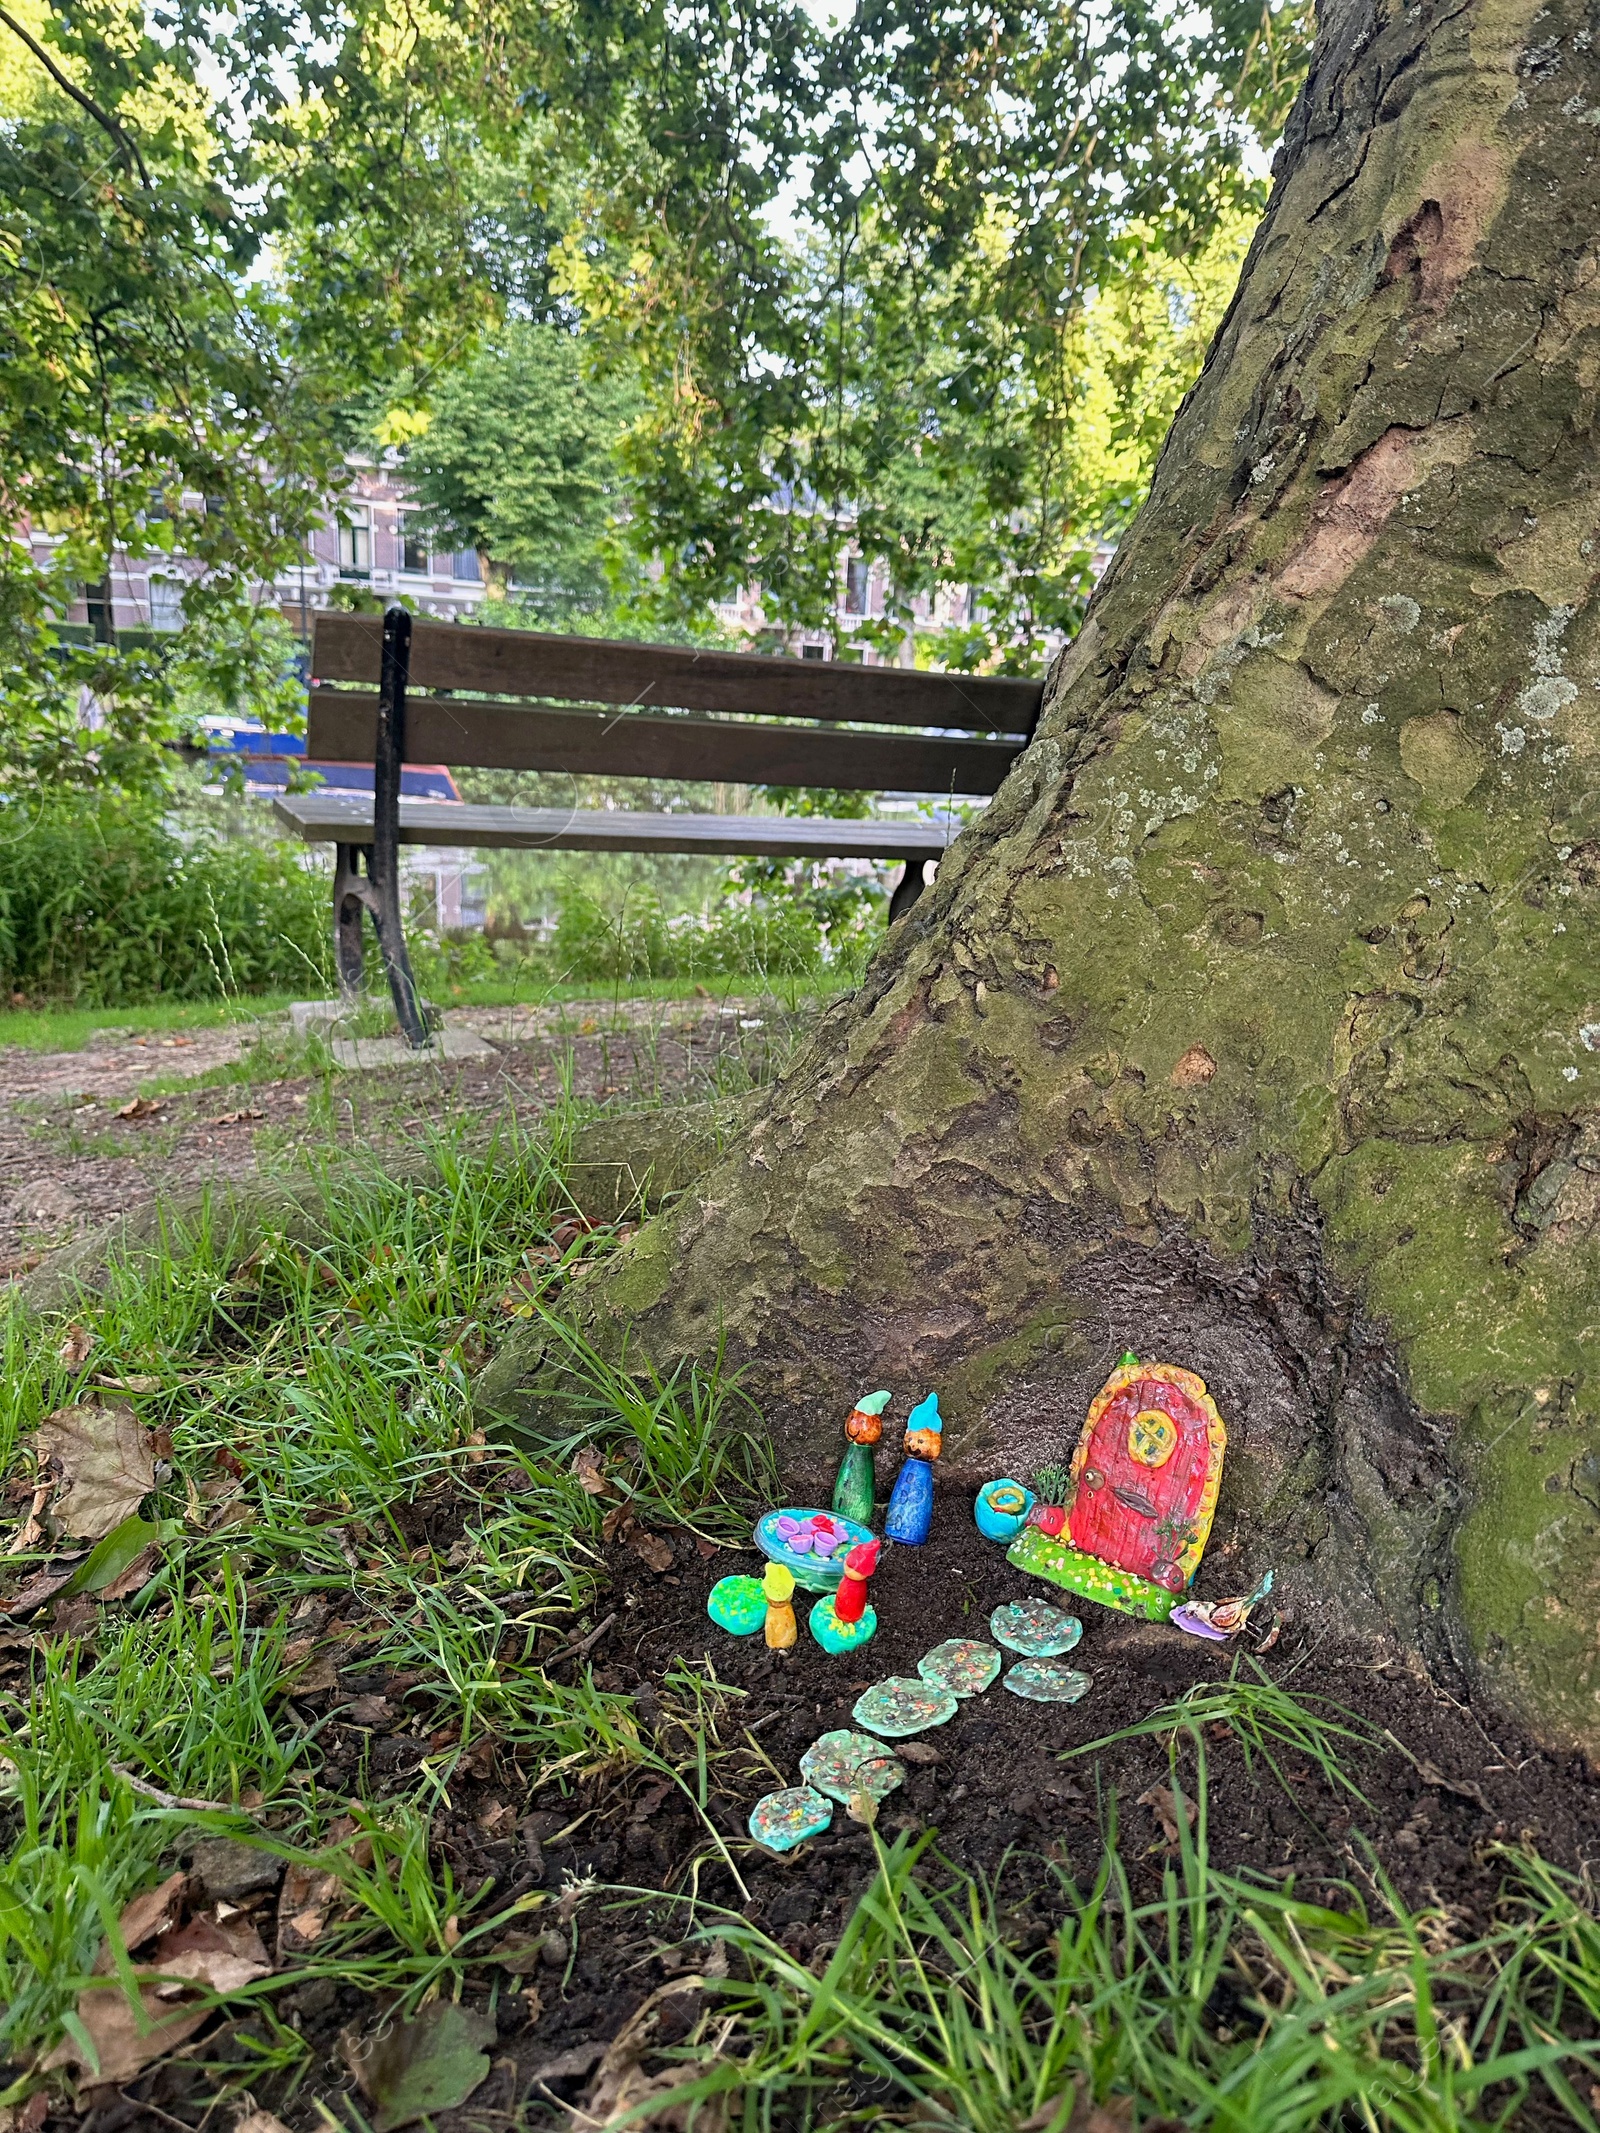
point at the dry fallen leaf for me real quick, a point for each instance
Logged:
(77, 1345)
(235, 1118)
(135, 1384)
(155, 1911)
(214, 1955)
(307, 1896)
(141, 1107)
(1161, 1798)
(104, 1462)
(260, 2122)
(622, 2090)
(586, 1471)
(656, 1551)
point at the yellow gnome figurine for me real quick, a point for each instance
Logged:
(778, 1585)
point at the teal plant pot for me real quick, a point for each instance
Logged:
(1002, 1508)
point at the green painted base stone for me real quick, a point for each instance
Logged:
(836, 1636)
(1047, 1681)
(784, 1819)
(899, 1707)
(1034, 1628)
(961, 1664)
(843, 1764)
(1088, 1577)
(737, 1605)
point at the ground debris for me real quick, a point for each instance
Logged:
(412, 2069)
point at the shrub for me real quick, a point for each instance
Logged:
(105, 903)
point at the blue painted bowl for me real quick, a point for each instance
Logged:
(813, 1571)
(1002, 1508)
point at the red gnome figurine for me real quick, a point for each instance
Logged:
(851, 1598)
(842, 1620)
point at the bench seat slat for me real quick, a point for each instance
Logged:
(346, 818)
(596, 670)
(498, 736)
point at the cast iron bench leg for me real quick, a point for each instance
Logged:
(908, 888)
(351, 895)
(378, 890)
(383, 864)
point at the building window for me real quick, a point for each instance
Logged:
(97, 599)
(166, 603)
(855, 585)
(812, 651)
(355, 549)
(464, 566)
(413, 551)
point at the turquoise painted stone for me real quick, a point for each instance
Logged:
(737, 1605)
(1043, 1681)
(836, 1636)
(842, 1764)
(784, 1819)
(961, 1664)
(899, 1707)
(1035, 1628)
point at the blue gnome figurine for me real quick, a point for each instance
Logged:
(911, 1505)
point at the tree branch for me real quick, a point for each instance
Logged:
(127, 146)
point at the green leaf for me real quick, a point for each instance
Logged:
(106, 1562)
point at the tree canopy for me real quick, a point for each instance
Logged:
(892, 281)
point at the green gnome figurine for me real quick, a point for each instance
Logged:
(856, 1487)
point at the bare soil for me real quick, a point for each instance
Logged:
(1445, 1788)
(73, 1156)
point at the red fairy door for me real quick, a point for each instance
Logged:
(1146, 1473)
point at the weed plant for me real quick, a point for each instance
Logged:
(104, 903)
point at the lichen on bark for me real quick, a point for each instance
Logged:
(1257, 1022)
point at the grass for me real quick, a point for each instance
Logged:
(73, 1029)
(318, 1400)
(1221, 2003)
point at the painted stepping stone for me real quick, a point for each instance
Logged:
(812, 1545)
(784, 1819)
(961, 1664)
(737, 1605)
(1044, 1681)
(836, 1636)
(842, 1764)
(1035, 1628)
(900, 1706)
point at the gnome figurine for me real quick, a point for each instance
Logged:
(855, 1489)
(778, 1586)
(911, 1506)
(844, 1619)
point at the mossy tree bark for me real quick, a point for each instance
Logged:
(1256, 1025)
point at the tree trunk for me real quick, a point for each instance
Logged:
(1256, 1025)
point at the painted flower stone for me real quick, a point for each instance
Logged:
(784, 1819)
(1035, 1628)
(842, 1764)
(899, 1707)
(1043, 1681)
(961, 1664)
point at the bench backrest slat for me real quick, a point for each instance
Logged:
(491, 736)
(346, 648)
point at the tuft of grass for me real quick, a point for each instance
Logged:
(1268, 1721)
(1221, 2002)
(318, 1400)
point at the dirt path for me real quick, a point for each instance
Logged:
(88, 1135)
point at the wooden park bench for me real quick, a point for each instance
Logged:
(387, 691)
